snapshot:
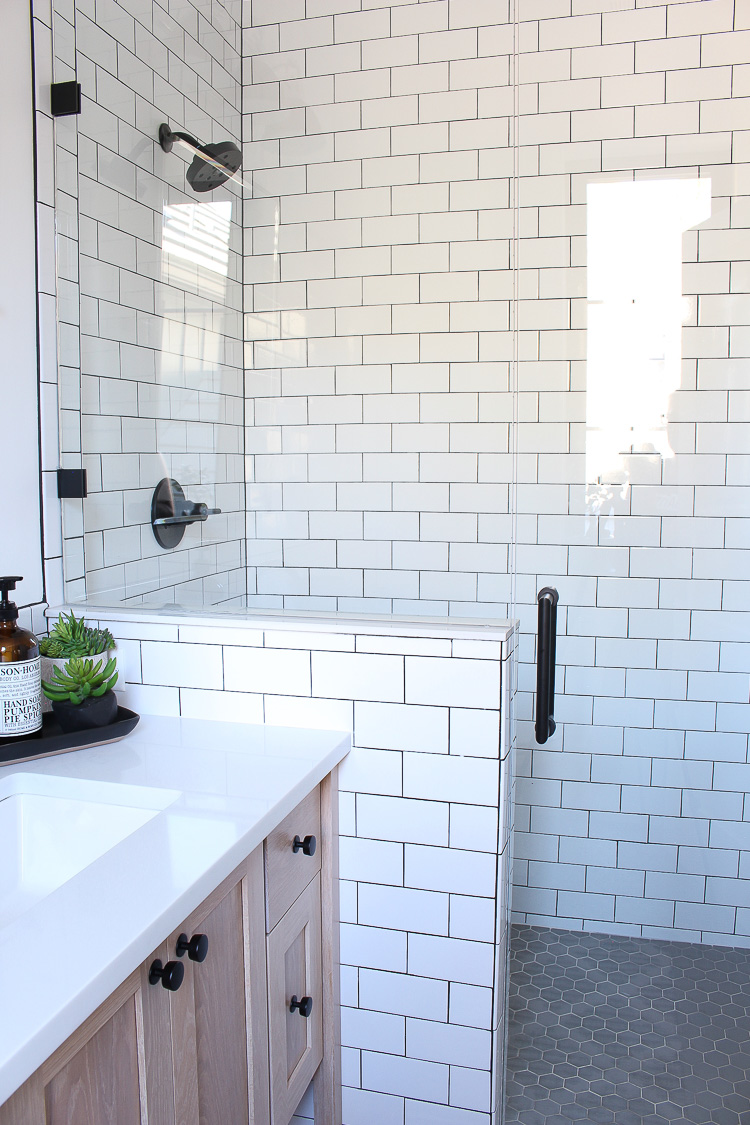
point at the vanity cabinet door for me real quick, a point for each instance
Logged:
(98, 1076)
(220, 1075)
(100, 1083)
(295, 974)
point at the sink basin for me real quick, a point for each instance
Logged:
(51, 828)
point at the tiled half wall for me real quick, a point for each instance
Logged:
(425, 821)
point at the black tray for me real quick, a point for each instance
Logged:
(52, 740)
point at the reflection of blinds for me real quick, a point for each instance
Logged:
(199, 233)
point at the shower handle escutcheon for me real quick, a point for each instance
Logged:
(172, 512)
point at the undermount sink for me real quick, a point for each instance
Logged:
(51, 828)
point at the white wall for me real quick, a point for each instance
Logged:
(20, 542)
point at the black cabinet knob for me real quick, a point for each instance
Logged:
(171, 975)
(196, 947)
(306, 846)
(303, 1006)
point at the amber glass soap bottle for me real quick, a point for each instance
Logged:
(20, 671)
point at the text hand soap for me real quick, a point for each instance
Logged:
(20, 671)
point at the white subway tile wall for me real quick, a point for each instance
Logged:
(425, 823)
(632, 815)
(149, 287)
(376, 247)
(427, 188)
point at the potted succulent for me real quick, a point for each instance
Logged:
(81, 693)
(70, 636)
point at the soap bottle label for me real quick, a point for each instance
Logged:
(20, 697)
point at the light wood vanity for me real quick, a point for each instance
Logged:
(245, 1030)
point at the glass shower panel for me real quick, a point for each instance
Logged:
(160, 274)
(633, 478)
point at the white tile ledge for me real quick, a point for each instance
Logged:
(360, 624)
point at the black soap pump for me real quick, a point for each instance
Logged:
(20, 671)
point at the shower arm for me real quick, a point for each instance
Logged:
(167, 138)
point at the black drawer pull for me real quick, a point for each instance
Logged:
(304, 1006)
(171, 975)
(196, 947)
(307, 846)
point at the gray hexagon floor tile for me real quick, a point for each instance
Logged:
(627, 1031)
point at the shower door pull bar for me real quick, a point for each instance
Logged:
(544, 725)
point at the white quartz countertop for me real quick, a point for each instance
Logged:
(218, 790)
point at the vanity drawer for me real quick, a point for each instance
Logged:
(288, 871)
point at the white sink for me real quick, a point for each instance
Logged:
(51, 828)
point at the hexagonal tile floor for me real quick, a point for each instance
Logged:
(627, 1031)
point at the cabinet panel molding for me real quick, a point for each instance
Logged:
(294, 969)
(101, 1082)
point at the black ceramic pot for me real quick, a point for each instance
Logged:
(96, 711)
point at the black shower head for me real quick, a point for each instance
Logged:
(204, 175)
(212, 164)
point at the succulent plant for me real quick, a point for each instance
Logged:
(71, 636)
(79, 679)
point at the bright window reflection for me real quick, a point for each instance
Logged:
(635, 314)
(197, 235)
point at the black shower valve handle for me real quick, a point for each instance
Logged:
(188, 513)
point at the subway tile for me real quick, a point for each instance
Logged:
(449, 869)
(450, 959)
(455, 682)
(358, 676)
(401, 908)
(400, 994)
(446, 778)
(373, 948)
(196, 666)
(373, 1030)
(410, 821)
(447, 1043)
(263, 670)
(373, 861)
(406, 1077)
(401, 727)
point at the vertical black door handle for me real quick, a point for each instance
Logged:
(546, 644)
